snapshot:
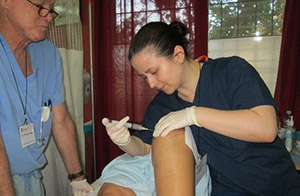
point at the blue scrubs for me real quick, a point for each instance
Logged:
(44, 87)
(236, 167)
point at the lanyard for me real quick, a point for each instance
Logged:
(24, 104)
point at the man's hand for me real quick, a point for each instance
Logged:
(81, 188)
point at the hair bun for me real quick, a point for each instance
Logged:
(181, 28)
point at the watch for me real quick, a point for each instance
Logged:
(74, 176)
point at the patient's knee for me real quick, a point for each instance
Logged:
(109, 189)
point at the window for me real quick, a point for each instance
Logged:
(245, 18)
(141, 12)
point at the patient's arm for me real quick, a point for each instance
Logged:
(109, 189)
(174, 165)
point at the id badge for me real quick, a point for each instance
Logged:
(27, 135)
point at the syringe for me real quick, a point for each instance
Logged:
(131, 125)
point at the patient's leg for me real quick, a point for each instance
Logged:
(109, 189)
(174, 165)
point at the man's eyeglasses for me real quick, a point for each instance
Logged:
(43, 12)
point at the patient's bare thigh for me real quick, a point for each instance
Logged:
(109, 189)
(174, 165)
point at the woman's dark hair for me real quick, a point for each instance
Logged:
(162, 37)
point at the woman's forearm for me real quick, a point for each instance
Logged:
(136, 147)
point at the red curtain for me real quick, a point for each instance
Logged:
(118, 91)
(287, 92)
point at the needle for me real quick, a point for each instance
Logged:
(131, 126)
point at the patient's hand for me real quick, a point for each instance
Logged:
(118, 133)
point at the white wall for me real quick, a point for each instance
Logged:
(261, 52)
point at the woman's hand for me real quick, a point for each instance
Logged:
(118, 133)
(175, 120)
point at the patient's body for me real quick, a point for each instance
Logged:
(168, 170)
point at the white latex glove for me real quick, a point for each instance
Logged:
(175, 120)
(81, 188)
(118, 133)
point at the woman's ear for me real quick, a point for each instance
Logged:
(178, 54)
